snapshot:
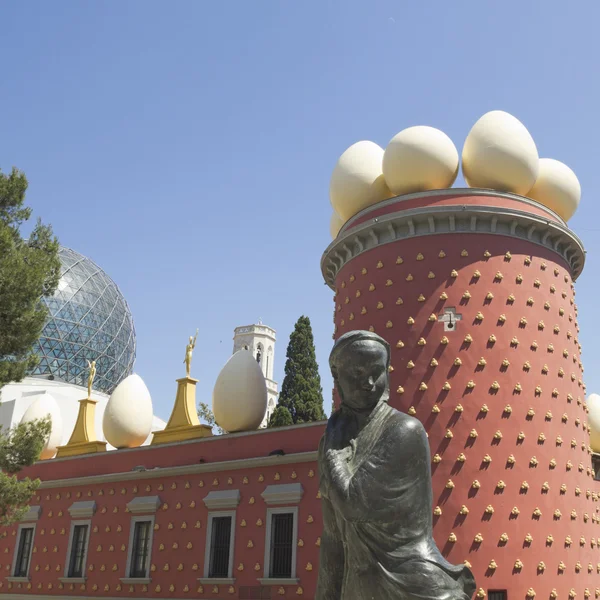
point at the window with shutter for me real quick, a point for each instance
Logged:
(141, 549)
(282, 536)
(220, 547)
(23, 552)
(78, 547)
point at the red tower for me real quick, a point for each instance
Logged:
(473, 289)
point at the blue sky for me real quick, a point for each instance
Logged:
(187, 146)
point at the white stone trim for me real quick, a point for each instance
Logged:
(284, 493)
(220, 499)
(216, 580)
(226, 465)
(211, 516)
(135, 580)
(33, 514)
(273, 581)
(16, 550)
(459, 218)
(144, 504)
(84, 509)
(128, 578)
(66, 577)
(268, 541)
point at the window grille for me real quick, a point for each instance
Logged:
(24, 552)
(219, 547)
(282, 534)
(77, 551)
(497, 594)
(141, 549)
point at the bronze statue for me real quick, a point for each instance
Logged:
(189, 349)
(91, 376)
(375, 471)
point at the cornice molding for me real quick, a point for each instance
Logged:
(283, 493)
(459, 192)
(222, 499)
(155, 473)
(459, 219)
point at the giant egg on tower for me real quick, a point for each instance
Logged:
(357, 180)
(418, 159)
(500, 154)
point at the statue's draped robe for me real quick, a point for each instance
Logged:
(377, 511)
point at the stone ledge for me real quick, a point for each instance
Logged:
(275, 581)
(135, 580)
(452, 219)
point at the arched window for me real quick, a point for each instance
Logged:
(259, 350)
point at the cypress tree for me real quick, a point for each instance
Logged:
(301, 396)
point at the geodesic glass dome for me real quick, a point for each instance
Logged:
(88, 320)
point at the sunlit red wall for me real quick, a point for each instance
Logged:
(178, 548)
(530, 407)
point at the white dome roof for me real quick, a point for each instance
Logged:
(335, 224)
(593, 404)
(357, 180)
(45, 405)
(418, 159)
(127, 419)
(557, 187)
(240, 394)
(500, 154)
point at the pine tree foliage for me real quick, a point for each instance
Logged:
(29, 269)
(301, 396)
(19, 447)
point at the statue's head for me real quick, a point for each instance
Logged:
(359, 364)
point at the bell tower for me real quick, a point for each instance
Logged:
(260, 340)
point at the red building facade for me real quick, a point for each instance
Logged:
(179, 489)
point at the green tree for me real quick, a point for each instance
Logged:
(19, 447)
(29, 269)
(301, 396)
(208, 417)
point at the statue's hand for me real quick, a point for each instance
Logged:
(344, 454)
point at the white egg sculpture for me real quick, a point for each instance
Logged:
(420, 158)
(335, 224)
(500, 154)
(127, 419)
(593, 404)
(557, 187)
(357, 180)
(239, 400)
(45, 405)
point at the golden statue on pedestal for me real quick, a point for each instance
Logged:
(91, 376)
(189, 349)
